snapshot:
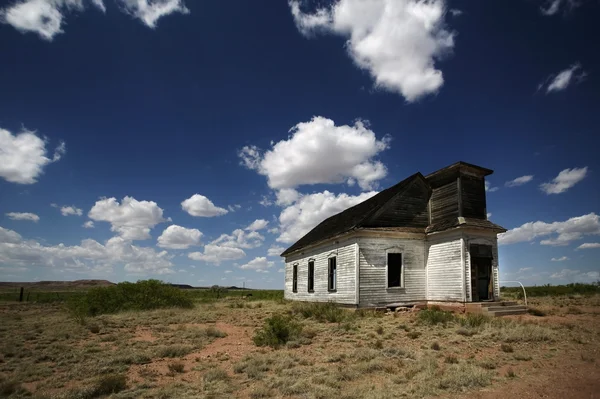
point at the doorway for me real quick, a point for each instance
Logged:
(482, 285)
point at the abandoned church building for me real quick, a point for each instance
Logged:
(426, 239)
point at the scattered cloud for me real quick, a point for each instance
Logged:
(273, 230)
(258, 264)
(71, 210)
(233, 208)
(177, 237)
(489, 188)
(563, 79)
(88, 225)
(87, 257)
(265, 201)
(150, 11)
(589, 245)
(131, 219)
(566, 232)
(32, 217)
(553, 7)
(310, 210)
(305, 157)
(456, 12)
(23, 156)
(525, 269)
(216, 254)
(396, 41)
(287, 196)
(258, 224)
(46, 17)
(240, 239)
(519, 181)
(275, 250)
(561, 259)
(200, 206)
(564, 181)
(570, 275)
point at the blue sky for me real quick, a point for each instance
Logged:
(193, 141)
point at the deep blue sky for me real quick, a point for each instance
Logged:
(160, 114)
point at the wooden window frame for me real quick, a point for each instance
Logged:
(387, 268)
(311, 276)
(295, 278)
(331, 282)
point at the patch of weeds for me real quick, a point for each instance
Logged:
(105, 385)
(434, 315)
(464, 376)
(174, 351)
(413, 334)
(536, 312)
(573, 310)
(473, 320)
(522, 357)
(488, 364)
(451, 359)
(11, 387)
(435, 346)
(214, 332)
(379, 330)
(260, 392)
(93, 328)
(335, 358)
(510, 373)
(177, 367)
(404, 327)
(397, 353)
(277, 331)
(467, 332)
(321, 311)
(588, 358)
(506, 348)
(215, 374)
(378, 344)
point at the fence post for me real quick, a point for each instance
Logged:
(21, 295)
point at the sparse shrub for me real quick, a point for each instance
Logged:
(321, 311)
(379, 330)
(404, 327)
(536, 312)
(177, 367)
(573, 310)
(473, 320)
(214, 332)
(174, 351)
(378, 344)
(94, 328)
(488, 364)
(143, 295)
(451, 359)
(506, 348)
(215, 374)
(522, 357)
(109, 384)
(11, 387)
(467, 332)
(260, 392)
(459, 377)
(434, 315)
(277, 331)
(586, 357)
(413, 334)
(510, 373)
(435, 346)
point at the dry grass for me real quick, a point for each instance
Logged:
(361, 354)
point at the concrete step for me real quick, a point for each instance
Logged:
(506, 312)
(499, 308)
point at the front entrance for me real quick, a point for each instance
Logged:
(482, 285)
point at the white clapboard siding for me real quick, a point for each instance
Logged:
(445, 269)
(373, 277)
(491, 240)
(345, 252)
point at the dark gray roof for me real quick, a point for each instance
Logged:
(468, 222)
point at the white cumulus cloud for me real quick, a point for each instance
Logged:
(519, 181)
(489, 188)
(396, 41)
(571, 275)
(258, 224)
(564, 181)
(564, 232)
(9, 236)
(589, 245)
(258, 264)
(177, 237)
(71, 210)
(150, 11)
(306, 156)
(88, 225)
(310, 210)
(32, 217)
(216, 254)
(200, 206)
(275, 250)
(131, 219)
(240, 239)
(23, 156)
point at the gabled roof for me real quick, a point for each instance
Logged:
(354, 217)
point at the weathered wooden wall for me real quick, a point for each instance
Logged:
(473, 197)
(445, 268)
(345, 252)
(373, 259)
(444, 202)
(406, 210)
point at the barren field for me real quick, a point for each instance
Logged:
(209, 352)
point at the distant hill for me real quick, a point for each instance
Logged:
(57, 284)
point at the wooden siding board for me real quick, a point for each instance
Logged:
(372, 263)
(445, 269)
(444, 202)
(407, 209)
(473, 197)
(345, 293)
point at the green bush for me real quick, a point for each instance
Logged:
(473, 320)
(143, 295)
(434, 315)
(321, 311)
(553, 290)
(277, 331)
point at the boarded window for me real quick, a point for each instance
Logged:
(394, 271)
(295, 278)
(332, 278)
(311, 276)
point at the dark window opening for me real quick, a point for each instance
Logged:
(295, 278)
(311, 276)
(394, 264)
(332, 278)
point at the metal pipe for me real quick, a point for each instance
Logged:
(517, 282)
